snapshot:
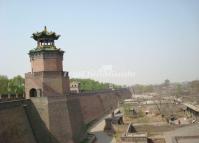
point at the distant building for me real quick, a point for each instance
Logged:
(142, 96)
(131, 136)
(111, 86)
(74, 87)
(192, 111)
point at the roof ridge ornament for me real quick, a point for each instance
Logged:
(51, 36)
(45, 41)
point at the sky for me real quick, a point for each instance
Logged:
(153, 40)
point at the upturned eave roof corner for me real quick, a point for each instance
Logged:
(45, 35)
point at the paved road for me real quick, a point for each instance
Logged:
(98, 130)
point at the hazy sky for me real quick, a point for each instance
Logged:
(154, 39)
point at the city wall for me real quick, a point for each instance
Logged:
(87, 107)
(61, 119)
(20, 123)
(96, 104)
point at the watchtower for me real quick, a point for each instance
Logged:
(47, 77)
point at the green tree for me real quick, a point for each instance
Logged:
(92, 85)
(16, 85)
(140, 89)
(148, 88)
(3, 84)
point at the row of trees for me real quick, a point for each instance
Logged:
(140, 89)
(184, 88)
(15, 85)
(92, 85)
(11, 86)
(195, 86)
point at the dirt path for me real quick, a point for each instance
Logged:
(98, 130)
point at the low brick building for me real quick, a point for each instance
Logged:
(192, 111)
(130, 136)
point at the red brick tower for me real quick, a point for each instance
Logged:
(46, 77)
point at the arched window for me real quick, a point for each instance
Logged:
(33, 92)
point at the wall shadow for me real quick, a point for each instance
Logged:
(21, 123)
(79, 129)
(39, 129)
